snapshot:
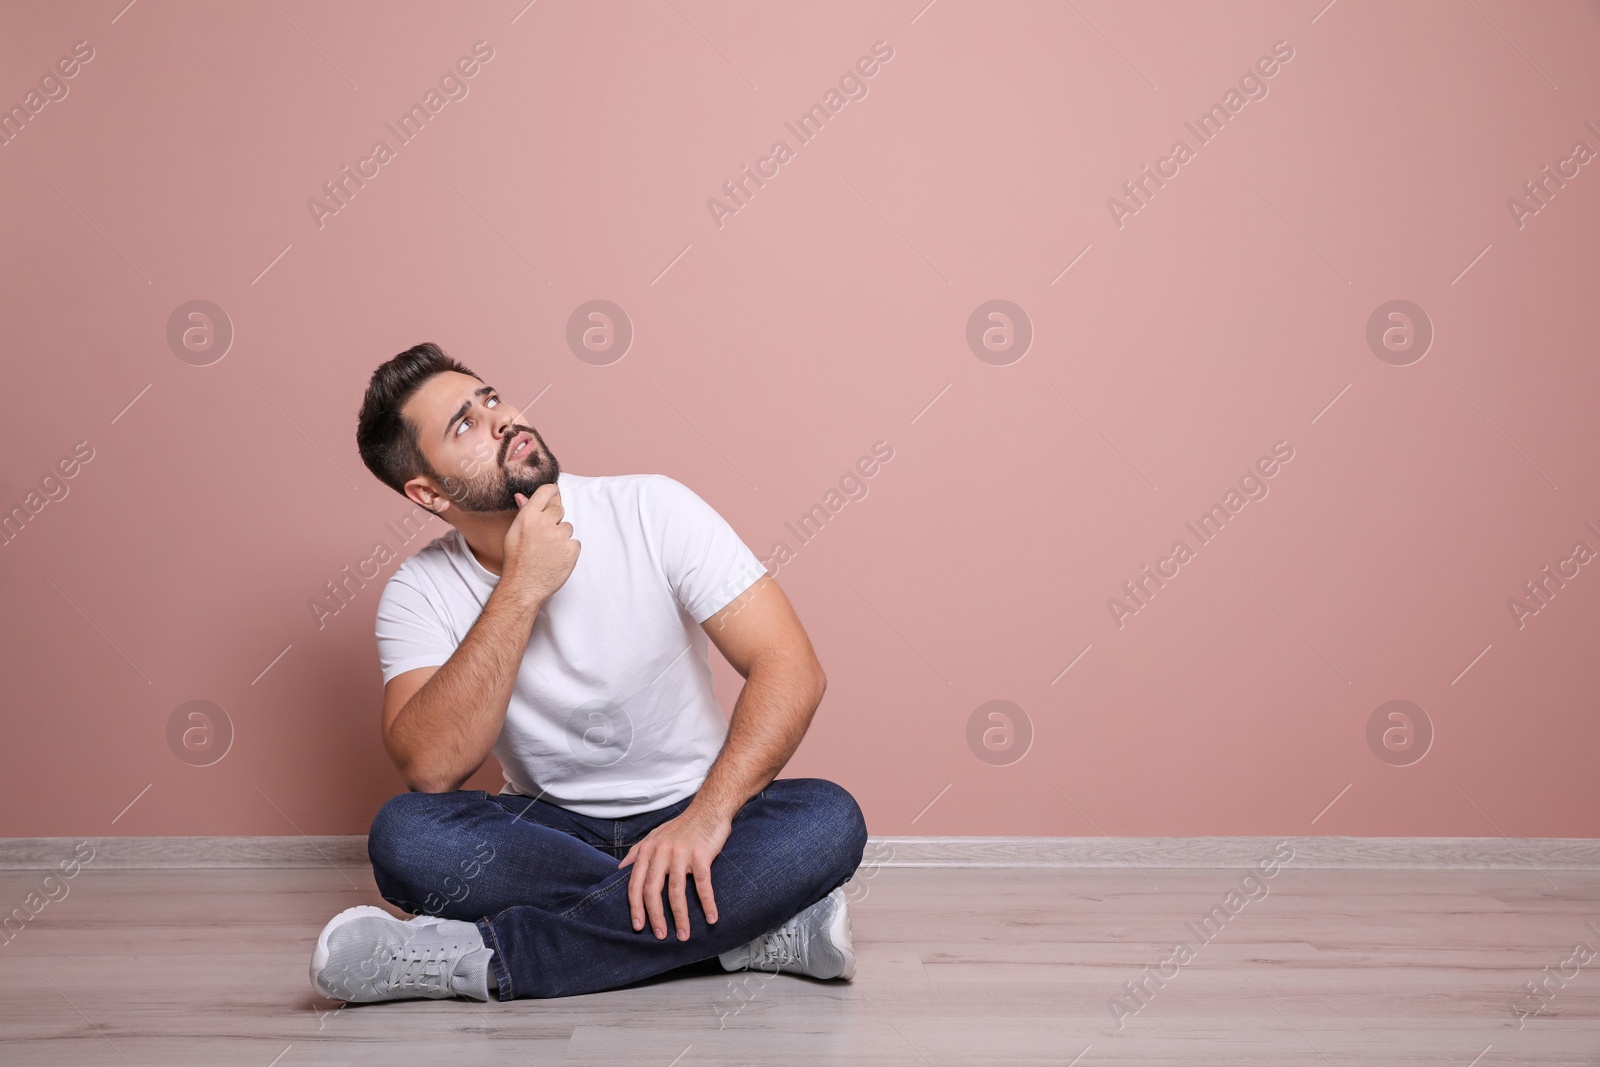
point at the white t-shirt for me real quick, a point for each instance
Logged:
(613, 711)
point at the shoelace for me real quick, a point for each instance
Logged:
(781, 947)
(421, 970)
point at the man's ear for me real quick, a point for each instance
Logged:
(423, 495)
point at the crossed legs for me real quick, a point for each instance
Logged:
(543, 886)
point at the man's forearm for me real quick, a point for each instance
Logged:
(769, 719)
(447, 728)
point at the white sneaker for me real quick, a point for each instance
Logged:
(816, 942)
(365, 954)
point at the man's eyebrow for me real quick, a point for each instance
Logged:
(461, 412)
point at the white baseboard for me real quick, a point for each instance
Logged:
(1373, 853)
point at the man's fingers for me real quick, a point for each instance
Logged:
(636, 883)
(677, 893)
(652, 895)
(663, 862)
(702, 886)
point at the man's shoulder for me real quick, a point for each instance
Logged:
(606, 484)
(422, 567)
(624, 492)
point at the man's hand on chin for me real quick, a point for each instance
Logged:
(669, 855)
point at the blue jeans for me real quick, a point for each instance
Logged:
(543, 884)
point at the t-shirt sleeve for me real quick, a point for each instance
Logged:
(706, 563)
(408, 629)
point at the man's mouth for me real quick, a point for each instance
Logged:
(521, 445)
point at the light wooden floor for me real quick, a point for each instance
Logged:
(955, 966)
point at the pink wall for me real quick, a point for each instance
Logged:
(1174, 343)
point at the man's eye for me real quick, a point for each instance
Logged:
(462, 425)
(493, 400)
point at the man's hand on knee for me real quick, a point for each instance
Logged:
(668, 856)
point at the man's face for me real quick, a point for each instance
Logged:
(471, 438)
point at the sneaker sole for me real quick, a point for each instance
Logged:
(840, 933)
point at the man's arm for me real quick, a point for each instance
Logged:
(762, 638)
(439, 723)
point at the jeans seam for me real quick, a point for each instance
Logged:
(598, 894)
(502, 972)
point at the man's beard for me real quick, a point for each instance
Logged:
(496, 490)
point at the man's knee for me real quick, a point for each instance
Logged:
(395, 823)
(410, 830)
(836, 822)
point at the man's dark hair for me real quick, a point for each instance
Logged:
(387, 441)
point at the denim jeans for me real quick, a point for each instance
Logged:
(543, 884)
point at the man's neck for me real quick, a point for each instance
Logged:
(485, 534)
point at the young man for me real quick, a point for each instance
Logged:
(562, 625)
